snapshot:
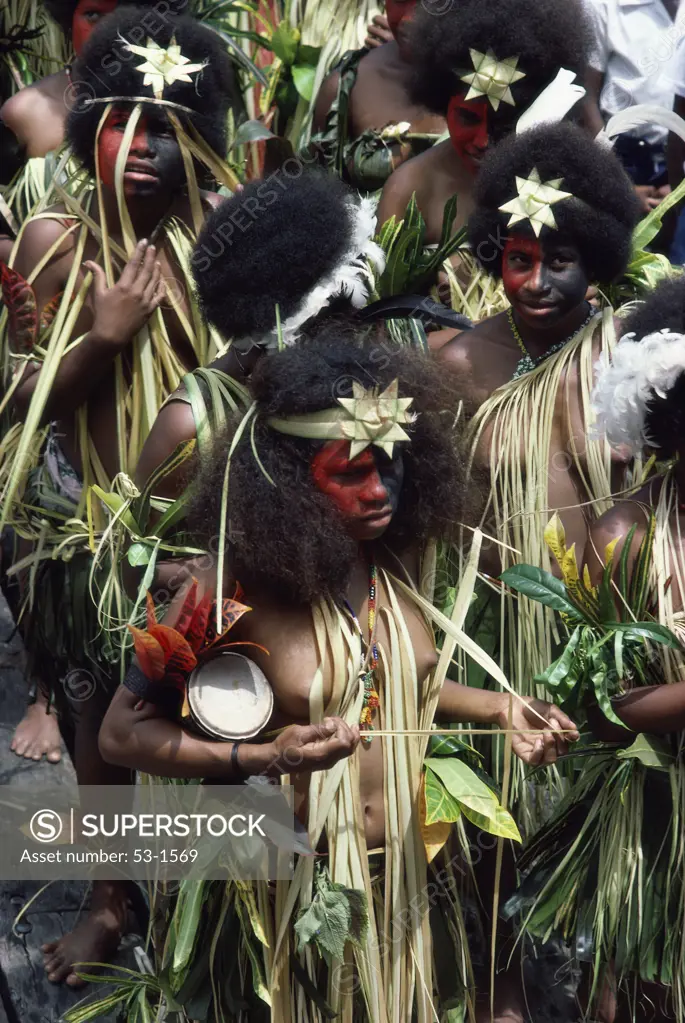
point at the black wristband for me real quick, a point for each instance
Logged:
(152, 692)
(236, 769)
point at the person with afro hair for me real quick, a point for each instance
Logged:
(105, 348)
(319, 234)
(554, 211)
(639, 402)
(482, 66)
(318, 534)
(365, 93)
(37, 114)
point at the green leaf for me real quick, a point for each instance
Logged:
(303, 77)
(252, 131)
(335, 916)
(139, 554)
(649, 227)
(440, 805)
(449, 746)
(556, 677)
(284, 42)
(308, 54)
(599, 678)
(648, 630)
(650, 751)
(541, 586)
(501, 824)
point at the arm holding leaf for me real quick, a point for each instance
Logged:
(481, 706)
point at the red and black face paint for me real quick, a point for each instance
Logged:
(544, 278)
(467, 122)
(86, 16)
(365, 490)
(154, 163)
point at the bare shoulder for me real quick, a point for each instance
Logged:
(40, 234)
(324, 100)
(410, 177)
(616, 524)
(174, 425)
(36, 114)
(473, 347)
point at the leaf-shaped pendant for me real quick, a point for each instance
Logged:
(20, 301)
(50, 311)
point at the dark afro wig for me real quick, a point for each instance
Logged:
(664, 309)
(269, 244)
(544, 34)
(62, 11)
(107, 68)
(288, 541)
(599, 219)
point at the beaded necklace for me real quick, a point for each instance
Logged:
(528, 363)
(371, 699)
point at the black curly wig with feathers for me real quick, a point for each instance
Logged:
(107, 68)
(663, 309)
(288, 541)
(62, 11)
(277, 238)
(599, 219)
(544, 34)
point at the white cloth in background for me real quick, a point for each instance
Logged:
(635, 43)
(678, 63)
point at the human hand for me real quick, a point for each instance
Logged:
(543, 747)
(312, 747)
(378, 32)
(121, 311)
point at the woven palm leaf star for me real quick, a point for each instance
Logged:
(534, 201)
(375, 418)
(492, 78)
(164, 66)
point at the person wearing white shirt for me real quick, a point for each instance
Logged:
(676, 148)
(630, 63)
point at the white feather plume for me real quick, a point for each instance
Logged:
(553, 103)
(638, 371)
(353, 276)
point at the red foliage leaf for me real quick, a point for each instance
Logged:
(20, 300)
(185, 615)
(149, 653)
(150, 611)
(198, 626)
(50, 311)
(174, 646)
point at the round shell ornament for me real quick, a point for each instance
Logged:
(230, 697)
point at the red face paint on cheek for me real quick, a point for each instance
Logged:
(86, 16)
(467, 122)
(521, 263)
(352, 485)
(109, 143)
(397, 11)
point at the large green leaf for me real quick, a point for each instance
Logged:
(648, 630)
(284, 42)
(252, 131)
(440, 805)
(464, 790)
(651, 751)
(303, 77)
(649, 227)
(541, 586)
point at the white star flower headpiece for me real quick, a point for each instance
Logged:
(638, 372)
(366, 418)
(163, 66)
(534, 201)
(492, 78)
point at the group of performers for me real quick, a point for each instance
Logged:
(394, 414)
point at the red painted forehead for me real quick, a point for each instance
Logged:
(335, 457)
(529, 244)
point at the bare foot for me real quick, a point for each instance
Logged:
(37, 734)
(95, 939)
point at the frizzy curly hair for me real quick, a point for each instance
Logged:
(599, 219)
(288, 541)
(544, 34)
(107, 68)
